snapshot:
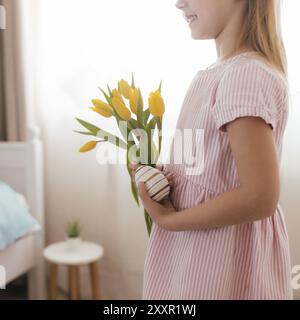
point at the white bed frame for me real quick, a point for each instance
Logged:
(21, 166)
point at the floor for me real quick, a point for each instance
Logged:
(17, 290)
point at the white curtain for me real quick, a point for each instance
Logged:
(85, 44)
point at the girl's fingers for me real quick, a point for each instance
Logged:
(171, 183)
(133, 165)
(170, 178)
(159, 167)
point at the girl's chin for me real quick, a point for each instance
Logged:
(197, 34)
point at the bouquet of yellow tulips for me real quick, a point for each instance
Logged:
(135, 125)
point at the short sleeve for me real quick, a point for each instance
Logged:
(249, 89)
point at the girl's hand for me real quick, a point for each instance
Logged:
(160, 212)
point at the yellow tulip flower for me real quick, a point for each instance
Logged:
(156, 104)
(88, 146)
(102, 108)
(125, 89)
(117, 94)
(121, 109)
(101, 112)
(133, 101)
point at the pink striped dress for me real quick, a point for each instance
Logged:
(245, 261)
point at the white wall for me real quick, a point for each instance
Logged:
(84, 44)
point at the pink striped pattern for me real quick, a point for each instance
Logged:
(247, 261)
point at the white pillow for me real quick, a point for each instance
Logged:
(15, 219)
(25, 205)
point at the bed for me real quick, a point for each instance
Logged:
(21, 167)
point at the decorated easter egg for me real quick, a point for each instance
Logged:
(156, 183)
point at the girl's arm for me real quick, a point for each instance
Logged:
(253, 148)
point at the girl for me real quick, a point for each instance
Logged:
(221, 234)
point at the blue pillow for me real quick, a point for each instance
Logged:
(15, 220)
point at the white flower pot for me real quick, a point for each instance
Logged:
(73, 243)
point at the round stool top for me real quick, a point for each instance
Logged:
(85, 252)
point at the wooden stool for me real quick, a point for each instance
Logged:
(86, 253)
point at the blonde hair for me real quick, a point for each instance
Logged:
(262, 32)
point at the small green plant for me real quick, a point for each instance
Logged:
(73, 229)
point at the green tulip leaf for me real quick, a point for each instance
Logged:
(159, 127)
(140, 108)
(159, 88)
(133, 186)
(107, 97)
(108, 88)
(84, 133)
(93, 129)
(150, 131)
(136, 124)
(100, 133)
(151, 127)
(132, 80)
(148, 220)
(146, 115)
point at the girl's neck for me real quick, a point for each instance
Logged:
(224, 55)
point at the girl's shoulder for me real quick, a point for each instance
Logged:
(251, 68)
(250, 86)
